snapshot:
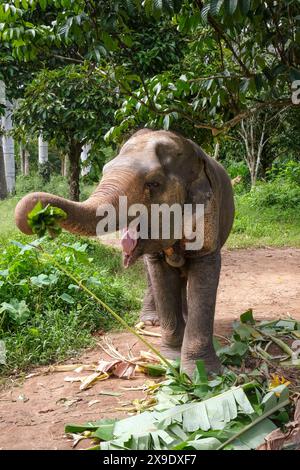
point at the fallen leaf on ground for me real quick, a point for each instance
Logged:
(90, 379)
(93, 402)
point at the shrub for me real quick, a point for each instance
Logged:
(236, 168)
(282, 194)
(285, 171)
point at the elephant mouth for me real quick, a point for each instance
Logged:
(130, 246)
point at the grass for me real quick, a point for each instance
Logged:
(55, 329)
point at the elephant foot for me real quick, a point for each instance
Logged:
(212, 364)
(150, 318)
(169, 352)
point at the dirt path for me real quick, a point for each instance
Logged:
(33, 413)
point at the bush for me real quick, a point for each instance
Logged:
(285, 171)
(235, 168)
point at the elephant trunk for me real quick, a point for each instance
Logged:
(82, 217)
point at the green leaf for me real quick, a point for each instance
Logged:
(236, 348)
(166, 122)
(255, 436)
(244, 6)
(205, 11)
(78, 428)
(294, 74)
(200, 375)
(154, 370)
(18, 311)
(230, 6)
(44, 280)
(215, 6)
(105, 431)
(67, 298)
(208, 443)
(43, 4)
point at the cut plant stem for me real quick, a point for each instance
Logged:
(256, 421)
(281, 344)
(113, 313)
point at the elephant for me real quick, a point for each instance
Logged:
(163, 167)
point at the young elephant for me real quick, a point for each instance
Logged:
(156, 167)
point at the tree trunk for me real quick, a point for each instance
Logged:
(26, 163)
(85, 169)
(43, 150)
(8, 149)
(217, 150)
(44, 168)
(3, 187)
(254, 140)
(74, 158)
(22, 158)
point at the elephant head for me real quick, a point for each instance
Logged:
(152, 167)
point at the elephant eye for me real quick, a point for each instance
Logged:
(152, 184)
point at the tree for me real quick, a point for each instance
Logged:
(8, 148)
(44, 169)
(86, 167)
(24, 159)
(72, 105)
(243, 57)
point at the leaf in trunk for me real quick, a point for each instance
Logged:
(41, 220)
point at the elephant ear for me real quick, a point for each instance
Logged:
(205, 190)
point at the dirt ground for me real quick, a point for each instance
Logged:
(33, 411)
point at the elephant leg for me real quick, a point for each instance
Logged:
(167, 290)
(148, 313)
(203, 279)
(184, 300)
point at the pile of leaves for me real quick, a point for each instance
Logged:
(275, 343)
(242, 409)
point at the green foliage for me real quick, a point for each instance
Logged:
(236, 168)
(74, 102)
(226, 417)
(288, 172)
(44, 316)
(42, 219)
(277, 194)
(45, 171)
(226, 76)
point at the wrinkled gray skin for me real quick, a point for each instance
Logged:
(182, 298)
